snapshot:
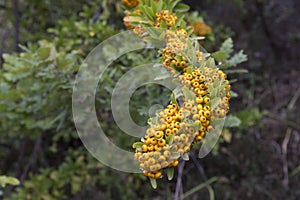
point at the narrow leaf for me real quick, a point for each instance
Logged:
(153, 183)
(170, 173)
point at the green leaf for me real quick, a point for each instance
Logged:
(4, 180)
(170, 173)
(155, 33)
(154, 42)
(170, 139)
(137, 145)
(159, 5)
(238, 58)
(210, 63)
(189, 30)
(249, 117)
(153, 183)
(43, 52)
(233, 94)
(181, 7)
(232, 121)
(227, 47)
(173, 98)
(175, 155)
(147, 12)
(215, 102)
(188, 94)
(185, 156)
(173, 4)
(220, 56)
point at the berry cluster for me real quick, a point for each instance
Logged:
(156, 151)
(176, 128)
(173, 54)
(199, 81)
(201, 28)
(165, 17)
(131, 3)
(186, 124)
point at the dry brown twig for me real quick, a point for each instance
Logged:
(178, 191)
(286, 140)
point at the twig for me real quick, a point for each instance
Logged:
(284, 157)
(198, 166)
(200, 187)
(33, 157)
(294, 100)
(179, 181)
(286, 140)
(202, 173)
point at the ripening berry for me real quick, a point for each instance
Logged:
(144, 148)
(196, 84)
(209, 128)
(180, 150)
(199, 100)
(158, 175)
(202, 129)
(158, 134)
(147, 141)
(195, 117)
(153, 141)
(150, 147)
(187, 148)
(202, 119)
(157, 148)
(207, 114)
(175, 131)
(194, 110)
(169, 119)
(168, 132)
(174, 148)
(161, 142)
(206, 100)
(205, 108)
(167, 153)
(199, 138)
(175, 163)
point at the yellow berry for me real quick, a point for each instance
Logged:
(144, 148)
(202, 119)
(199, 99)
(175, 163)
(206, 100)
(161, 142)
(207, 114)
(158, 175)
(158, 134)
